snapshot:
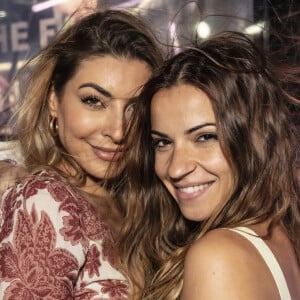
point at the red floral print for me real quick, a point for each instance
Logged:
(31, 262)
(116, 290)
(52, 245)
(92, 261)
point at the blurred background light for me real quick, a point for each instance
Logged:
(255, 28)
(2, 14)
(44, 5)
(126, 4)
(7, 65)
(203, 30)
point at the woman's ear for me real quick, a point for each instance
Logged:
(53, 103)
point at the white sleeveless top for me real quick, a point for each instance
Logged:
(269, 258)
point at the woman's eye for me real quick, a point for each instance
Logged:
(131, 106)
(93, 101)
(207, 137)
(129, 110)
(159, 144)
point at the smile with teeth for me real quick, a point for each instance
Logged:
(195, 188)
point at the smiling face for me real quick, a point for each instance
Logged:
(94, 107)
(188, 157)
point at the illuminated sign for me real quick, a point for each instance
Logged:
(14, 37)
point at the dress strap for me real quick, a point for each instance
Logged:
(269, 258)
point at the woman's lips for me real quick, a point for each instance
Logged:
(191, 192)
(107, 154)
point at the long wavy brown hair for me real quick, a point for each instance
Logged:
(257, 137)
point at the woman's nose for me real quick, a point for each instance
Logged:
(181, 163)
(115, 126)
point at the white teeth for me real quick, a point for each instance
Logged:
(193, 189)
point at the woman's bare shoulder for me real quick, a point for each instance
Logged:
(224, 265)
(219, 248)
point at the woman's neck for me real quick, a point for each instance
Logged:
(94, 187)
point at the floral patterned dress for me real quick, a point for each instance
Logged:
(53, 245)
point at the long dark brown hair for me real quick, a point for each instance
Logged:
(253, 116)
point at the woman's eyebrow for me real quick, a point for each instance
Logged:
(191, 130)
(159, 133)
(188, 131)
(98, 88)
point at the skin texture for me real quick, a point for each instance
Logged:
(93, 110)
(223, 265)
(188, 157)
